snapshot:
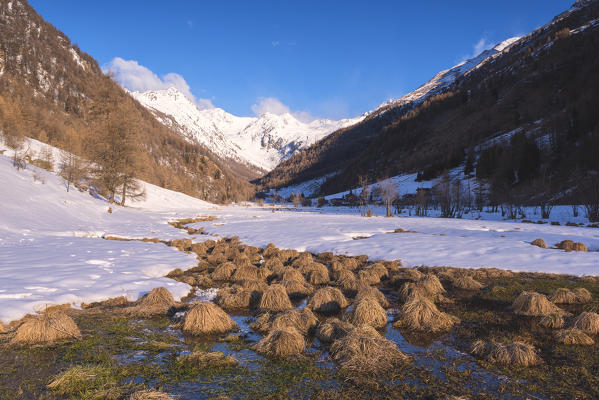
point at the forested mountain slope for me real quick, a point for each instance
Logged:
(523, 119)
(52, 91)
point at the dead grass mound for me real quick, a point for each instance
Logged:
(552, 321)
(242, 260)
(539, 243)
(408, 274)
(158, 301)
(569, 245)
(207, 319)
(374, 293)
(573, 336)
(333, 329)
(296, 289)
(292, 274)
(307, 269)
(237, 298)
(287, 255)
(151, 395)
(421, 314)
(369, 277)
(327, 300)
(318, 277)
(380, 269)
(249, 272)
(275, 298)
(432, 284)
(369, 312)
(567, 296)
(47, 328)
(304, 321)
(275, 265)
(534, 304)
(262, 323)
(365, 351)
(270, 251)
(588, 322)
(303, 259)
(512, 353)
(81, 378)
(466, 282)
(281, 343)
(224, 271)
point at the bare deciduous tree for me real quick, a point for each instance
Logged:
(389, 193)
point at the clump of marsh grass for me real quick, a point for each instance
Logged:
(223, 272)
(47, 328)
(374, 293)
(210, 359)
(539, 243)
(327, 300)
(588, 322)
(282, 342)
(534, 304)
(275, 298)
(512, 353)
(303, 320)
(573, 336)
(207, 319)
(158, 301)
(363, 350)
(421, 314)
(567, 296)
(369, 312)
(333, 329)
(552, 321)
(82, 379)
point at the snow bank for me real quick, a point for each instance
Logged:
(51, 246)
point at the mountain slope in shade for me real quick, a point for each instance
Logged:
(262, 142)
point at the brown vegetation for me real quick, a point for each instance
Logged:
(327, 300)
(512, 353)
(363, 350)
(421, 314)
(367, 311)
(158, 301)
(374, 293)
(573, 336)
(332, 329)
(275, 298)
(588, 322)
(304, 320)
(534, 305)
(567, 296)
(569, 245)
(283, 342)
(206, 318)
(46, 328)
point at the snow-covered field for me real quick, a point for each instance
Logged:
(52, 251)
(436, 241)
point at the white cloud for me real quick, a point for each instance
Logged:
(132, 76)
(273, 105)
(481, 46)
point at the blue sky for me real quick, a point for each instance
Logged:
(329, 59)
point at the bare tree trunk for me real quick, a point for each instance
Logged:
(123, 195)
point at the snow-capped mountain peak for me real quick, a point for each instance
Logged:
(262, 142)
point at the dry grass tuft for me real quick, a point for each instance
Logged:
(283, 342)
(151, 395)
(328, 300)
(431, 283)
(569, 245)
(275, 298)
(534, 305)
(363, 350)
(369, 276)
(207, 319)
(47, 328)
(158, 301)
(296, 289)
(567, 296)
(319, 277)
(249, 271)
(223, 272)
(573, 336)
(539, 243)
(302, 260)
(374, 293)
(369, 312)
(513, 353)
(588, 322)
(236, 298)
(262, 323)
(80, 379)
(270, 251)
(304, 321)
(333, 329)
(292, 274)
(466, 282)
(552, 321)
(275, 265)
(408, 274)
(211, 359)
(421, 314)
